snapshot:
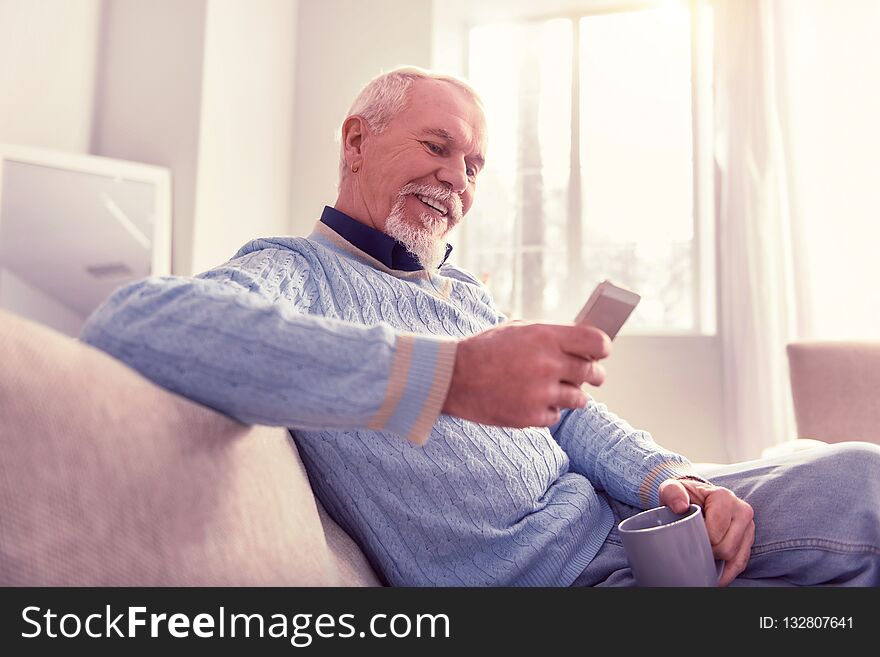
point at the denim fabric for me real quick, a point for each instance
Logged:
(817, 520)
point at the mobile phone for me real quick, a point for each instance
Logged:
(608, 308)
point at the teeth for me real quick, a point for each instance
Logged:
(433, 203)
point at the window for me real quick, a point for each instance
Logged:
(595, 166)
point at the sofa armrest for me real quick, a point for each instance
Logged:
(107, 479)
(835, 388)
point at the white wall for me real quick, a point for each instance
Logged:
(204, 87)
(20, 297)
(341, 44)
(245, 161)
(48, 55)
(670, 386)
(48, 59)
(148, 99)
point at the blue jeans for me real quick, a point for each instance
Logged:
(817, 520)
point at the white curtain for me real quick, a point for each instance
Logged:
(834, 91)
(757, 252)
(797, 189)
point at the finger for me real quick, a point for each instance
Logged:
(736, 565)
(674, 495)
(729, 546)
(720, 509)
(575, 370)
(549, 417)
(596, 375)
(586, 342)
(578, 371)
(740, 522)
(569, 396)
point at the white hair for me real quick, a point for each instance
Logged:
(383, 97)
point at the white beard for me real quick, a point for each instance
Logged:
(422, 241)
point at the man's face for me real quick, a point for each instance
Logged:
(423, 167)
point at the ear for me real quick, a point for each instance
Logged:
(354, 132)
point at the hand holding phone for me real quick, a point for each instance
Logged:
(608, 308)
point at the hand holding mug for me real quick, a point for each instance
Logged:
(729, 520)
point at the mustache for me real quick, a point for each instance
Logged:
(447, 197)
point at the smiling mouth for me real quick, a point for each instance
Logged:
(434, 204)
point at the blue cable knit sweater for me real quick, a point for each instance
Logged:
(316, 335)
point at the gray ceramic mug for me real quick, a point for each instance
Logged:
(665, 548)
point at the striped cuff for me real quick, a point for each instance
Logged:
(649, 492)
(420, 375)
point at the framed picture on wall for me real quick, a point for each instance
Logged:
(74, 227)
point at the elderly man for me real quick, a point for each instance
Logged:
(455, 448)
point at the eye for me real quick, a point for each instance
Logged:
(471, 172)
(436, 149)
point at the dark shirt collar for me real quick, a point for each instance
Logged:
(382, 247)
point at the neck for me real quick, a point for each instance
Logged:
(351, 203)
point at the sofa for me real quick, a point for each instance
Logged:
(108, 480)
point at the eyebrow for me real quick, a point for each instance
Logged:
(448, 136)
(440, 132)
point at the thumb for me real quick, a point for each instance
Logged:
(674, 495)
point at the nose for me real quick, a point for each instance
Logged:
(454, 176)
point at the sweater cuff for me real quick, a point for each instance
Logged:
(649, 492)
(420, 376)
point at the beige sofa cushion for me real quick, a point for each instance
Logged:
(835, 388)
(107, 479)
